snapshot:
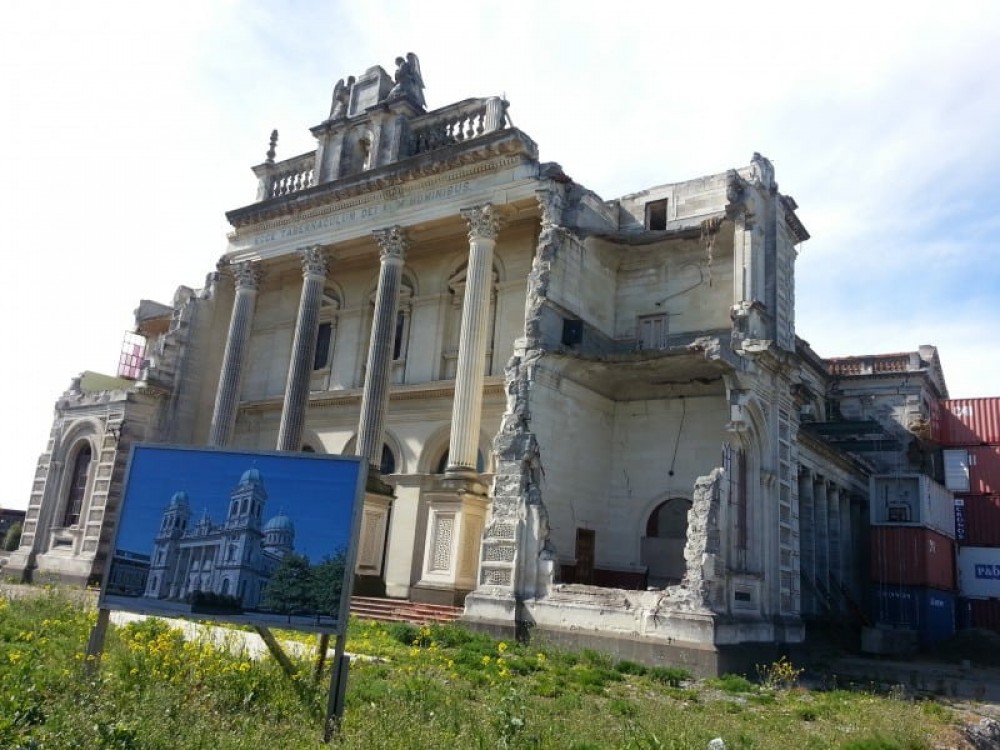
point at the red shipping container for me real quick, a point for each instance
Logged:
(980, 516)
(912, 556)
(982, 613)
(984, 470)
(966, 421)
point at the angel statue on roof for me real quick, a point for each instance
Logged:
(408, 80)
(341, 96)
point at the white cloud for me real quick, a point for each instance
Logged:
(130, 129)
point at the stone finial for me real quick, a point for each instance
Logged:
(392, 242)
(484, 222)
(271, 148)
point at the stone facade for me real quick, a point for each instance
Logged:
(582, 415)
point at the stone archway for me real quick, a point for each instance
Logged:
(663, 544)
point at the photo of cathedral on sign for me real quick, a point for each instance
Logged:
(245, 537)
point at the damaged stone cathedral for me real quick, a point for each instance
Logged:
(587, 419)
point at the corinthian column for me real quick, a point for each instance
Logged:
(484, 224)
(293, 413)
(392, 244)
(227, 396)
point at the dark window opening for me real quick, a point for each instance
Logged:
(77, 487)
(397, 341)
(572, 332)
(323, 337)
(388, 464)
(656, 214)
(741, 499)
(585, 547)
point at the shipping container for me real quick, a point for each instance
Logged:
(977, 520)
(928, 611)
(979, 613)
(911, 500)
(974, 470)
(908, 556)
(979, 572)
(966, 421)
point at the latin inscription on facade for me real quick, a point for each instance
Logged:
(393, 199)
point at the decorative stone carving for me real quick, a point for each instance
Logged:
(341, 98)
(314, 261)
(409, 82)
(484, 222)
(247, 275)
(392, 243)
(761, 172)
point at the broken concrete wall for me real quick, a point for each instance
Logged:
(687, 202)
(687, 281)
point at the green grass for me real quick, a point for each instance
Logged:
(431, 687)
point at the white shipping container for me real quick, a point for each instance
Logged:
(912, 500)
(979, 572)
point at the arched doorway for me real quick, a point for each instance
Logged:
(663, 545)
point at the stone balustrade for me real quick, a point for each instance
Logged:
(455, 124)
(288, 176)
(444, 127)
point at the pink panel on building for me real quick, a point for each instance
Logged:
(967, 421)
(984, 470)
(912, 556)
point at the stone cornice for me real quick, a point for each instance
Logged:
(368, 185)
(494, 386)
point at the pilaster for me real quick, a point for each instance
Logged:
(247, 276)
(484, 224)
(392, 244)
(293, 413)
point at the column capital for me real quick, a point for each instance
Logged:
(315, 262)
(247, 274)
(392, 242)
(484, 222)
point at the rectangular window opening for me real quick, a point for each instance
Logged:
(323, 337)
(656, 215)
(653, 331)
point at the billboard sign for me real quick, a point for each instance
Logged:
(241, 536)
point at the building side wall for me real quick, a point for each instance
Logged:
(573, 426)
(650, 440)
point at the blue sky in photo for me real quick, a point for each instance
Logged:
(129, 129)
(317, 492)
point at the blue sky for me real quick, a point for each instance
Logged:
(317, 493)
(130, 128)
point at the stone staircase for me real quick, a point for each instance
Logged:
(400, 610)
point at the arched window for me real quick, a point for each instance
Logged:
(443, 463)
(663, 546)
(388, 464)
(77, 487)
